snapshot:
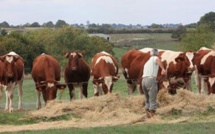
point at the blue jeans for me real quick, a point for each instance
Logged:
(150, 89)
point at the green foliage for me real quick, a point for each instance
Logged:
(208, 18)
(35, 24)
(4, 24)
(60, 23)
(203, 35)
(49, 24)
(23, 46)
(3, 32)
(178, 32)
(52, 41)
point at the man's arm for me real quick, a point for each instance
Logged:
(163, 71)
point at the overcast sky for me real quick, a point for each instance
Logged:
(144, 12)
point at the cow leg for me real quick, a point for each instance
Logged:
(1, 90)
(38, 105)
(211, 81)
(197, 80)
(131, 87)
(71, 91)
(20, 92)
(204, 87)
(96, 91)
(84, 90)
(9, 97)
(188, 85)
(7, 101)
(100, 90)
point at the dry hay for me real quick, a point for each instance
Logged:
(113, 109)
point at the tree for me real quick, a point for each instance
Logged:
(4, 24)
(203, 35)
(22, 45)
(3, 32)
(60, 23)
(35, 24)
(49, 24)
(156, 26)
(178, 32)
(208, 18)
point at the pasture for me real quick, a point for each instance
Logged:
(186, 112)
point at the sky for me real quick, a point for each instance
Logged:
(144, 12)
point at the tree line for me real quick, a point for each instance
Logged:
(52, 41)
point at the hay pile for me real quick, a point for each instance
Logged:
(113, 109)
(187, 102)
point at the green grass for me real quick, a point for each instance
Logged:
(182, 128)
(29, 93)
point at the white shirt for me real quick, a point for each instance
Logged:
(151, 67)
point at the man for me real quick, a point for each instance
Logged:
(149, 82)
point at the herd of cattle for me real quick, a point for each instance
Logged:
(46, 73)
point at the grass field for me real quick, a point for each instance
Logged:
(183, 128)
(162, 41)
(137, 41)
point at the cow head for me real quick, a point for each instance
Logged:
(190, 57)
(9, 64)
(49, 89)
(73, 57)
(107, 83)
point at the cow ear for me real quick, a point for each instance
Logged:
(180, 58)
(83, 52)
(80, 55)
(40, 87)
(15, 58)
(101, 79)
(61, 86)
(115, 78)
(1, 58)
(66, 54)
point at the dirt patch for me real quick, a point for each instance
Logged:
(113, 109)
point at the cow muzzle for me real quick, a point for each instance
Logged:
(9, 75)
(74, 68)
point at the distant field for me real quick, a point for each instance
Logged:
(137, 41)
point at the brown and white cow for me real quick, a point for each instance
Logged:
(178, 65)
(77, 73)
(204, 61)
(46, 75)
(104, 70)
(11, 74)
(132, 63)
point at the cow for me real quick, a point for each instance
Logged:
(204, 61)
(46, 74)
(76, 73)
(11, 74)
(132, 63)
(178, 65)
(104, 70)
